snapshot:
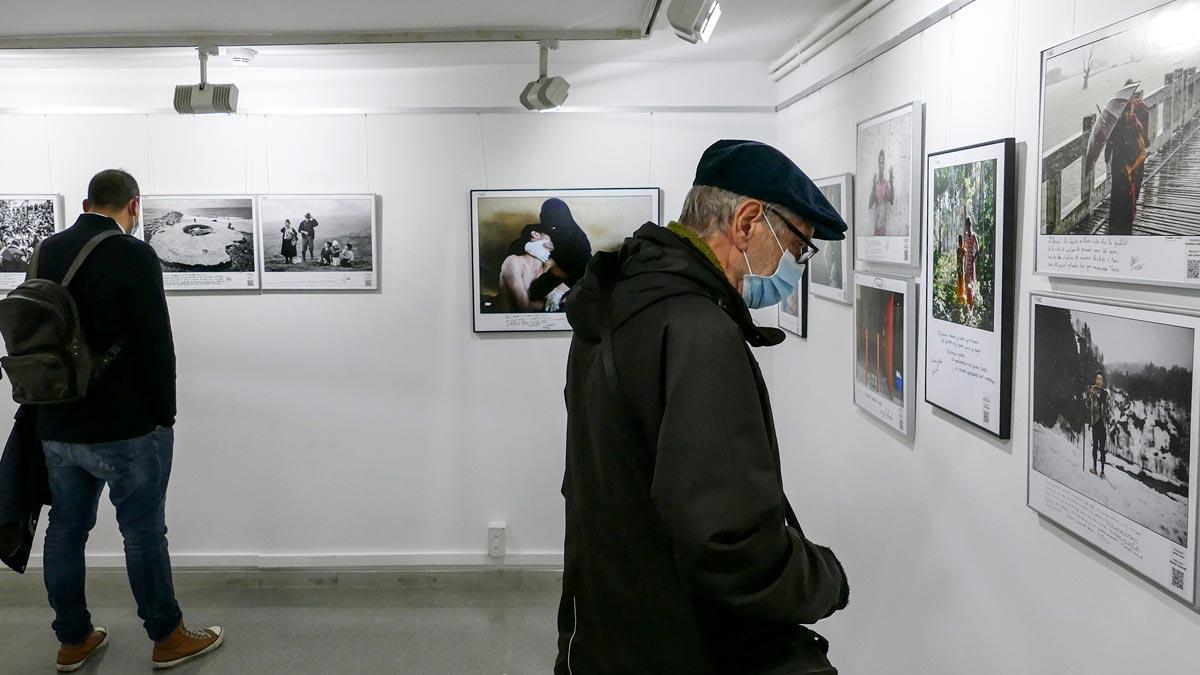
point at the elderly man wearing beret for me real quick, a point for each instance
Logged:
(682, 552)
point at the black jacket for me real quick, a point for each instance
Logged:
(677, 556)
(24, 489)
(119, 291)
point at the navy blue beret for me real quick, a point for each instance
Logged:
(757, 170)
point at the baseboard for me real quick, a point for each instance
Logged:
(318, 561)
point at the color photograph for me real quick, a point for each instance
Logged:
(884, 336)
(888, 194)
(25, 220)
(970, 283)
(319, 241)
(963, 233)
(203, 242)
(530, 246)
(1120, 152)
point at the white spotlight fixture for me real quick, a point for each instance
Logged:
(241, 56)
(197, 99)
(545, 93)
(694, 20)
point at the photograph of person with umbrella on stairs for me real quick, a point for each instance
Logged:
(1120, 150)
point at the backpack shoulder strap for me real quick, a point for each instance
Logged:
(86, 251)
(32, 273)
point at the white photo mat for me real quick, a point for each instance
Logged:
(331, 277)
(880, 374)
(12, 279)
(1164, 249)
(647, 202)
(831, 276)
(968, 349)
(240, 280)
(1062, 489)
(902, 130)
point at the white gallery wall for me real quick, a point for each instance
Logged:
(950, 573)
(364, 428)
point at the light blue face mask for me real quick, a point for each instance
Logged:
(759, 291)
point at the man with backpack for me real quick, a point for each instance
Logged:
(105, 402)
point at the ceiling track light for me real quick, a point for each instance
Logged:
(694, 20)
(545, 93)
(203, 98)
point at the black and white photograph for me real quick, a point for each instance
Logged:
(887, 195)
(528, 247)
(884, 349)
(1120, 152)
(969, 282)
(1112, 443)
(203, 242)
(25, 220)
(793, 311)
(318, 242)
(832, 263)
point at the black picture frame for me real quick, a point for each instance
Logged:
(968, 353)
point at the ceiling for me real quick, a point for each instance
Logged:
(750, 30)
(79, 17)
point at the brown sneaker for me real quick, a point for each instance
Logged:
(72, 657)
(183, 645)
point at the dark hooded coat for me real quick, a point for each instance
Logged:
(678, 559)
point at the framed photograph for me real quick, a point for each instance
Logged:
(887, 201)
(832, 264)
(1119, 152)
(793, 311)
(885, 330)
(528, 247)
(25, 220)
(204, 242)
(970, 210)
(318, 242)
(1112, 432)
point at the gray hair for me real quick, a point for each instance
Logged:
(707, 209)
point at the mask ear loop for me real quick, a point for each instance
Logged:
(751, 269)
(771, 227)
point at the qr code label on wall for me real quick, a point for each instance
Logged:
(1177, 578)
(1193, 271)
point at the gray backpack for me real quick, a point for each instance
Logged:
(49, 361)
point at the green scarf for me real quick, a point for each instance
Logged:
(695, 240)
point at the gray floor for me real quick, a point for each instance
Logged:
(410, 621)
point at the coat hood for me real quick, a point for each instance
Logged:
(652, 265)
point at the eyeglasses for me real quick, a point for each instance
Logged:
(810, 249)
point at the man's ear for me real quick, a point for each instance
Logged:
(87, 206)
(748, 212)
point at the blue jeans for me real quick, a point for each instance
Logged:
(136, 472)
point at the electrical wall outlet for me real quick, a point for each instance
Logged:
(497, 532)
